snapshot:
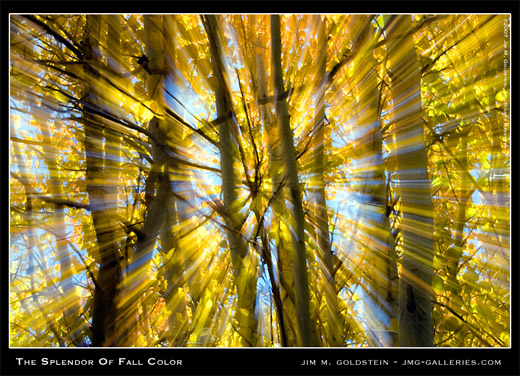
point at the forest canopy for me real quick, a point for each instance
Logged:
(230, 180)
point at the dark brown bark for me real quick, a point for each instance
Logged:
(109, 275)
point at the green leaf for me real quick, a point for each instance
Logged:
(451, 323)
(437, 283)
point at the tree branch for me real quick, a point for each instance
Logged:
(55, 34)
(69, 203)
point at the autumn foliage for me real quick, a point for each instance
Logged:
(259, 180)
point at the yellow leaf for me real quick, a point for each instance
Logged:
(451, 323)
(153, 106)
(256, 205)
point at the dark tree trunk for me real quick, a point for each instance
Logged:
(302, 298)
(109, 274)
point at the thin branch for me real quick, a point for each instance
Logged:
(191, 127)
(469, 326)
(56, 35)
(69, 203)
(87, 266)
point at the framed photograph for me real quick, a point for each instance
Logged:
(257, 188)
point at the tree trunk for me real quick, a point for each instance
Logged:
(302, 299)
(109, 275)
(334, 327)
(243, 263)
(415, 306)
(173, 269)
(287, 311)
(381, 275)
(173, 256)
(160, 213)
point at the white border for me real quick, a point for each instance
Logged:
(289, 348)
